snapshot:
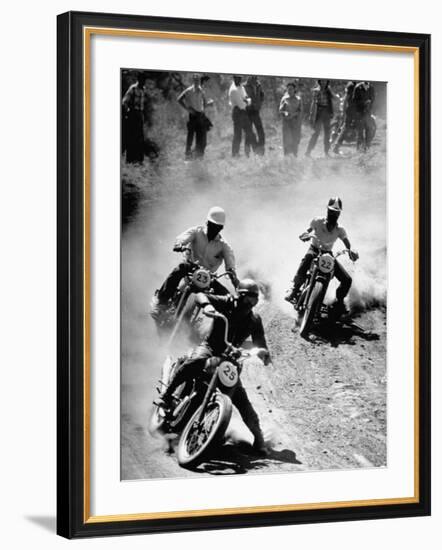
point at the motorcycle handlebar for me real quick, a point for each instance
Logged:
(225, 274)
(340, 253)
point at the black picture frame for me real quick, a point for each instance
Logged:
(72, 520)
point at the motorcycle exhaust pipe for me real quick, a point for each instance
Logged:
(183, 404)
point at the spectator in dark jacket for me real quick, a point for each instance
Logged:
(256, 95)
(363, 99)
(321, 113)
(134, 101)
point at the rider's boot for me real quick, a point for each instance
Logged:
(292, 293)
(163, 401)
(338, 309)
(157, 308)
(259, 446)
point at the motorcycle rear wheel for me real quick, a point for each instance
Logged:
(198, 439)
(311, 309)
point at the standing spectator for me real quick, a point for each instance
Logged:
(363, 98)
(134, 102)
(239, 100)
(348, 114)
(290, 109)
(321, 113)
(193, 100)
(255, 93)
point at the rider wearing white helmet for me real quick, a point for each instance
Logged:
(208, 248)
(323, 233)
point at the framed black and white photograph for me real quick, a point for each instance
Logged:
(243, 274)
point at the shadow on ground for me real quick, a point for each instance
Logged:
(241, 459)
(337, 333)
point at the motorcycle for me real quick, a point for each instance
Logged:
(202, 408)
(181, 307)
(309, 302)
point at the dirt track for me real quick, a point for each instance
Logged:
(321, 403)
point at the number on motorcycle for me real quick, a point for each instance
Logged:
(201, 278)
(326, 263)
(228, 374)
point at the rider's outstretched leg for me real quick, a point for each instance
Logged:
(167, 290)
(189, 369)
(245, 408)
(341, 292)
(301, 274)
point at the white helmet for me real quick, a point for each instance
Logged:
(216, 215)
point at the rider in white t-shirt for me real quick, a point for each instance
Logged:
(323, 233)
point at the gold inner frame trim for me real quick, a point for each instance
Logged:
(87, 33)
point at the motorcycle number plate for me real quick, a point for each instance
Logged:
(201, 278)
(326, 263)
(228, 374)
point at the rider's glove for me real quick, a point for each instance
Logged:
(353, 255)
(177, 248)
(264, 355)
(305, 236)
(233, 277)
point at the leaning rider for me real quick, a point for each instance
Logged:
(323, 233)
(208, 248)
(243, 323)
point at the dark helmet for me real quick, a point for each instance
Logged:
(335, 204)
(248, 287)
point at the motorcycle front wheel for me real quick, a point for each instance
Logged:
(199, 438)
(312, 307)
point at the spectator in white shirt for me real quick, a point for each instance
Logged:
(239, 100)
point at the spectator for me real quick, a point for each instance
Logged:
(363, 98)
(193, 100)
(321, 112)
(238, 101)
(256, 95)
(134, 102)
(290, 109)
(348, 114)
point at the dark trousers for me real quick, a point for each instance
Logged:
(340, 273)
(242, 124)
(192, 368)
(323, 118)
(168, 288)
(256, 122)
(134, 136)
(196, 128)
(291, 135)
(364, 129)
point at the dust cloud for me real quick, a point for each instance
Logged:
(268, 206)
